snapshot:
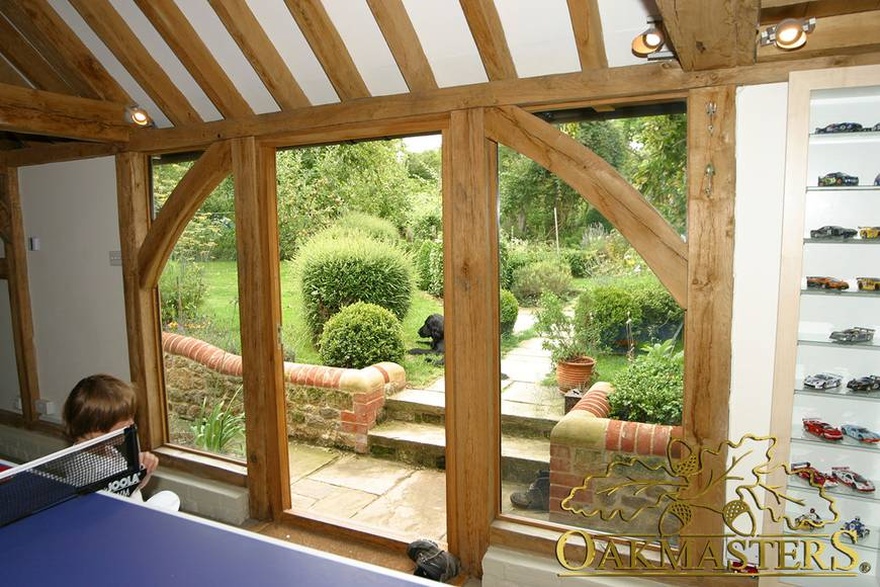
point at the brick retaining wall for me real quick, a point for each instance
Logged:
(329, 406)
(584, 443)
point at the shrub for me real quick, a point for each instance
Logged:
(429, 267)
(181, 289)
(652, 312)
(359, 335)
(428, 226)
(509, 310)
(217, 429)
(651, 388)
(373, 226)
(582, 262)
(336, 273)
(531, 281)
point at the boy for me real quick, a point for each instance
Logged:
(99, 404)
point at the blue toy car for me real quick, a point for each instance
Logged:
(860, 433)
(855, 525)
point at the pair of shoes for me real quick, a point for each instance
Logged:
(431, 561)
(538, 495)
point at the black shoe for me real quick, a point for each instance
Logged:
(538, 495)
(432, 562)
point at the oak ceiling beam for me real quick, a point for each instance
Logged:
(708, 34)
(22, 157)
(623, 84)
(834, 35)
(259, 50)
(485, 24)
(60, 46)
(10, 75)
(115, 33)
(602, 186)
(325, 41)
(774, 12)
(186, 43)
(404, 43)
(21, 54)
(59, 115)
(198, 183)
(587, 26)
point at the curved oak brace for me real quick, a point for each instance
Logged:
(602, 186)
(198, 183)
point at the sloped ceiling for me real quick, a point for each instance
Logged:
(69, 68)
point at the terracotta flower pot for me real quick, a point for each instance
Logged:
(574, 373)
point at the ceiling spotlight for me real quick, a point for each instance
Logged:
(649, 41)
(789, 34)
(138, 116)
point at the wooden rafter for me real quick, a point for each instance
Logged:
(399, 33)
(588, 37)
(325, 41)
(262, 54)
(603, 187)
(180, 35)
(847, 33)
(708, 34)
(773, 12)
(198, 183)
(485, 24)
(125, 46)
(58, 115)
(10, 75)
(60, 46)
(16, 49)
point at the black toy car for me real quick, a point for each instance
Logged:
(837, 178)
(833, 231)
(866, 383)
(840, 127)
(854, 334)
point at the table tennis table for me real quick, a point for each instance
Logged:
(102, 539)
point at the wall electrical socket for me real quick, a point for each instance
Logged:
(17, 405)
(45, 407)
(116, 258)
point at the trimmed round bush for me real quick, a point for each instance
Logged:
(509, 310)
(337, 273)
(360, 335)
(532, 280)
(429, 267)
(373, 226)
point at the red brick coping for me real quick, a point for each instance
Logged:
(366, 386)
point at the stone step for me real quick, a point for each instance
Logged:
(518, 418)
(425, 445)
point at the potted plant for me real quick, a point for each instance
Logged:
(569, 345)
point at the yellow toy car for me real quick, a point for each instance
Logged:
(869, 231)
(868, 283)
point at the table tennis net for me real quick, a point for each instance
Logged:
(108, 462)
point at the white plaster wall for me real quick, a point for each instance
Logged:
(9, 390)
(76, 295)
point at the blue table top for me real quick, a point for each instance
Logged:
(101, 539)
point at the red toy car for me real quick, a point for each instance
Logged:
(852, 479)
(813, 475)
(822, 429)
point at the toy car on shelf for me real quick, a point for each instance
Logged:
(833, 231)
(860, 433)
(868, 283)
(864, 383)
(855, 525)
(808, 521)
(812, 475)
(877, 179)
(852, 479)
(869, 232)
(822, 380)
(854, 334)
(822, 429)
(837, 178)
(825, 282)
(740, 567)
(836, 127)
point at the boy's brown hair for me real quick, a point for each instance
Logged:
(96, 404)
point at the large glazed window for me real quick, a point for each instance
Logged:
(360, 237)
(198, 294)
(581, 310)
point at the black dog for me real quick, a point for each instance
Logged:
(433, 329)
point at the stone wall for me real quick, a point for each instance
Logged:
(327, 406)
(594, 462)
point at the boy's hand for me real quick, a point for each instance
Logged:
(149, 461)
